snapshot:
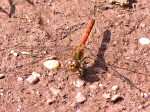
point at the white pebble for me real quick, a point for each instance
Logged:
(144, 41)
(100, 85)
(1, 92)
(78, 83)
(55, 91)
(2, 76)
(80, 98)
(13, 52)
(36, 74)
(51, 64)
(106, 95)
(115, 88)
(34, 78)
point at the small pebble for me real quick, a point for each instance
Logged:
(101, 86)
(44, 52)
(1, 92)
(38, 93)
(14, 53)
(106, 95)
(51, 64)
(19, 79)
(55, 91)
(80, 98)
(50, 100)
(2, 76)
(144, 41)
(116, 98)
(36, 74)
(115, 88)
(145, 95)
(78, 83)
(34, 78)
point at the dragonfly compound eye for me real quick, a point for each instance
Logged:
(74, 65)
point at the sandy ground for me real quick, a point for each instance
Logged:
(53, 27)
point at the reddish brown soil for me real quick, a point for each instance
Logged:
(52, 27)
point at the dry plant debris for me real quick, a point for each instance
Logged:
(120, 2)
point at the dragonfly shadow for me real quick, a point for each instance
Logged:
(99, 66)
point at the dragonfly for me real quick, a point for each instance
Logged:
(77, 61)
